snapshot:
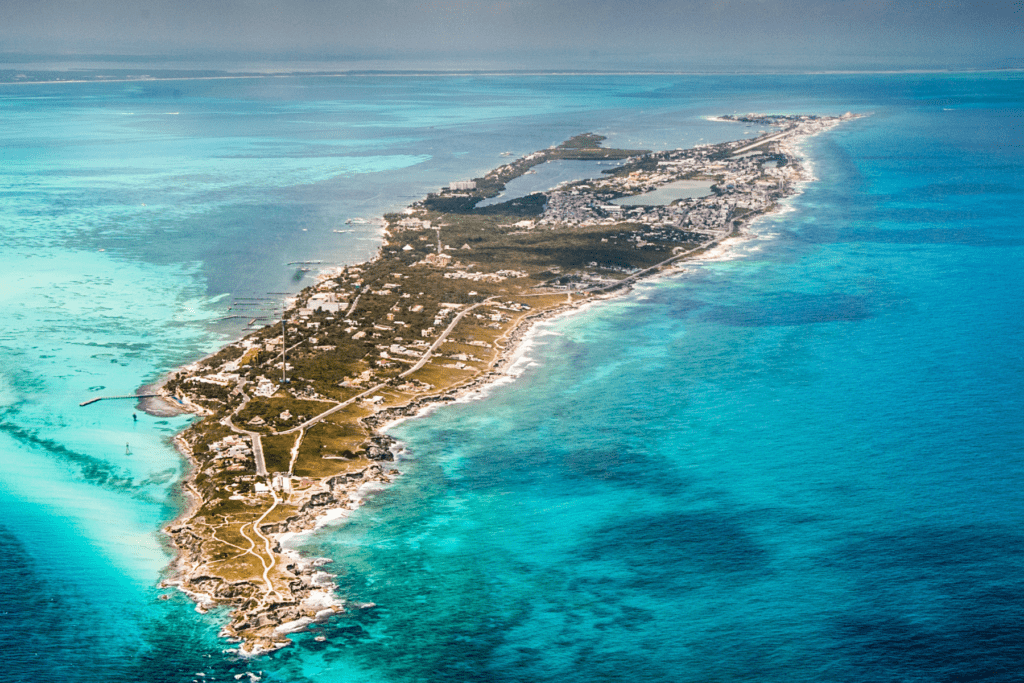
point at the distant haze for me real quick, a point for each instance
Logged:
(583, 34)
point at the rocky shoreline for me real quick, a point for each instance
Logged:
(312, 590)
(310, 597)
(310, 585)
(294, 593)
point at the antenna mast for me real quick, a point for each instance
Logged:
(284, 348)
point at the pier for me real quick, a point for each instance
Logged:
(115, 398)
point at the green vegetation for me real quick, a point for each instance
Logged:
(272, 411)
(443, 260)
(584, 147)
(277, 450)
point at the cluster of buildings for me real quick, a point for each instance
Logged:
(750, 182)
(232, 454)
(749, 177)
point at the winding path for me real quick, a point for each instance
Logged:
(266, 543)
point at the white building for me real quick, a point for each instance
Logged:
(327, 302)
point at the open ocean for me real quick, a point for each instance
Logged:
(804, 463)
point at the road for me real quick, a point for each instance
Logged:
(313, 420)
(261, 469)
(645, 271)
(761, 141)
(257, 442)
(433, 347)
(257, 451)
(419, 364)
(266, 544)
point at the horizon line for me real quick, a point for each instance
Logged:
(395, 73)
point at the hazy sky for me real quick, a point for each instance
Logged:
(578, 33)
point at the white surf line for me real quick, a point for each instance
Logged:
(433, 347)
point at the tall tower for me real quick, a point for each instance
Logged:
(284, 349)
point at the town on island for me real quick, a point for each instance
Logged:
(291, 418)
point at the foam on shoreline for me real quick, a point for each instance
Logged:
(514, 360)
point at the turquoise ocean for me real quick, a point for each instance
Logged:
(804, 462)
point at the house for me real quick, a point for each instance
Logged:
(441, 260)
(327, 302)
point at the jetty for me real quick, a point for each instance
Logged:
(115, 398)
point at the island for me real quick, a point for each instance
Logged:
(291, 418)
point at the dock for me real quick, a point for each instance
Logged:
(115, 398)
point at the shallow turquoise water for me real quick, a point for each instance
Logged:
(801, 464)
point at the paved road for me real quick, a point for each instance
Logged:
(257, 442)
(419, 364)
(761, 141)
(355, 302)
(433, 347)
(257, 450)
(313, 420)
(645, 271)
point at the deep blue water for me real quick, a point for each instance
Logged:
(802, 464)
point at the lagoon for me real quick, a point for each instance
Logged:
(681, 189)
(547, 175)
